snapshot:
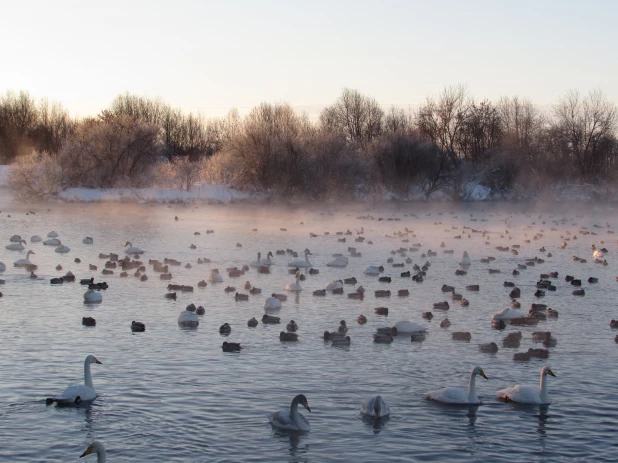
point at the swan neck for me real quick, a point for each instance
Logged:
(307, 257)
(544, 394)
(88, 375)
(101, 456)
(294, 412)
(472, 388)
(297, 279)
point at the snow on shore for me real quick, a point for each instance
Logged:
(4, 175)
(200, 192)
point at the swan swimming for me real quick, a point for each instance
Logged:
(528, 394)
(214, 276)
(375, 406)
(272, 303)
(268, 262)
(78, 393)
(98, 448)
(334, 284)
(302, 262)
(408, 327)
(459, 395)
(93, 296)
(257, 262)
(188, 318)
(62, 249)
(23, 262)
(340, 261)
(291, 420)
(16, 246)
(507, 314)
(132, 249)
(294, 286)
(372, 270)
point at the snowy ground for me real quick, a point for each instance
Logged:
(4, 172)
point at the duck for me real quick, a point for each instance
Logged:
(361, 319)
(89, 321)
(132, 249)
(241, 297)
(292, 326)
(490, 348)
(52, 242)
(375, 406)
(302, 263)
(341, 341)
(231, 346)
(225, 329)
(35, 239)
(252, 323)
(342, 328)
(92, 296)
(16, 246)
(382, 338)
(269, 319)
(459, 395)
(137, 327)
(52, 234)
(88, 240)
(529, 394)
(296, 287)
(291, 420)
(288, 337)
(15, 239)
(76, 394)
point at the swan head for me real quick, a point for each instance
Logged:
(22, 241)
(128, 243)
(96, 447)
(547, 371)
(377, 405)
(479, 371)
(28, 253)
(92, 359)
(301, 399)
(298, 274)
(307, 252)
(270, 254)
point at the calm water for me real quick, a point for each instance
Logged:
(172, 395)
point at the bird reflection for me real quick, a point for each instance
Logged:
(377, 423)
(295, 449)
(472, 409)
(297, 298)
(543, 417)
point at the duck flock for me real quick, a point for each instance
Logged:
(406, 267)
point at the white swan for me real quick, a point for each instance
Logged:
(52, 242)
(62, 249)
(88, 240)
(291, 420)
(465, 259)
(372, 270)
(340, 261)
(407, 327)
(334, 284)
(35, 239)
(2, 267)
(257, 262)
(93, 296)
(15, 239)
(459, 395)
(23, 262)
(507, 314)
(598, 254)
(98, 448)
(188, 318)
(52, 234)
(302, 262)
(78, 393)
(294, 286)
(16, 246)
(272, 303)
(132, 249)
(529, 394)
(268, 262)
(214, 276)
(375, 406)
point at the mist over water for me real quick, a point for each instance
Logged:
(170, 394)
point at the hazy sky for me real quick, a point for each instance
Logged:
(210, 56)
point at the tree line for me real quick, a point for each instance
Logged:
(355, 146)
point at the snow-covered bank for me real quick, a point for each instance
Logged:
(4, 175)
(200, 192)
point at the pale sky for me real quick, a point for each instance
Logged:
(210, 56)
